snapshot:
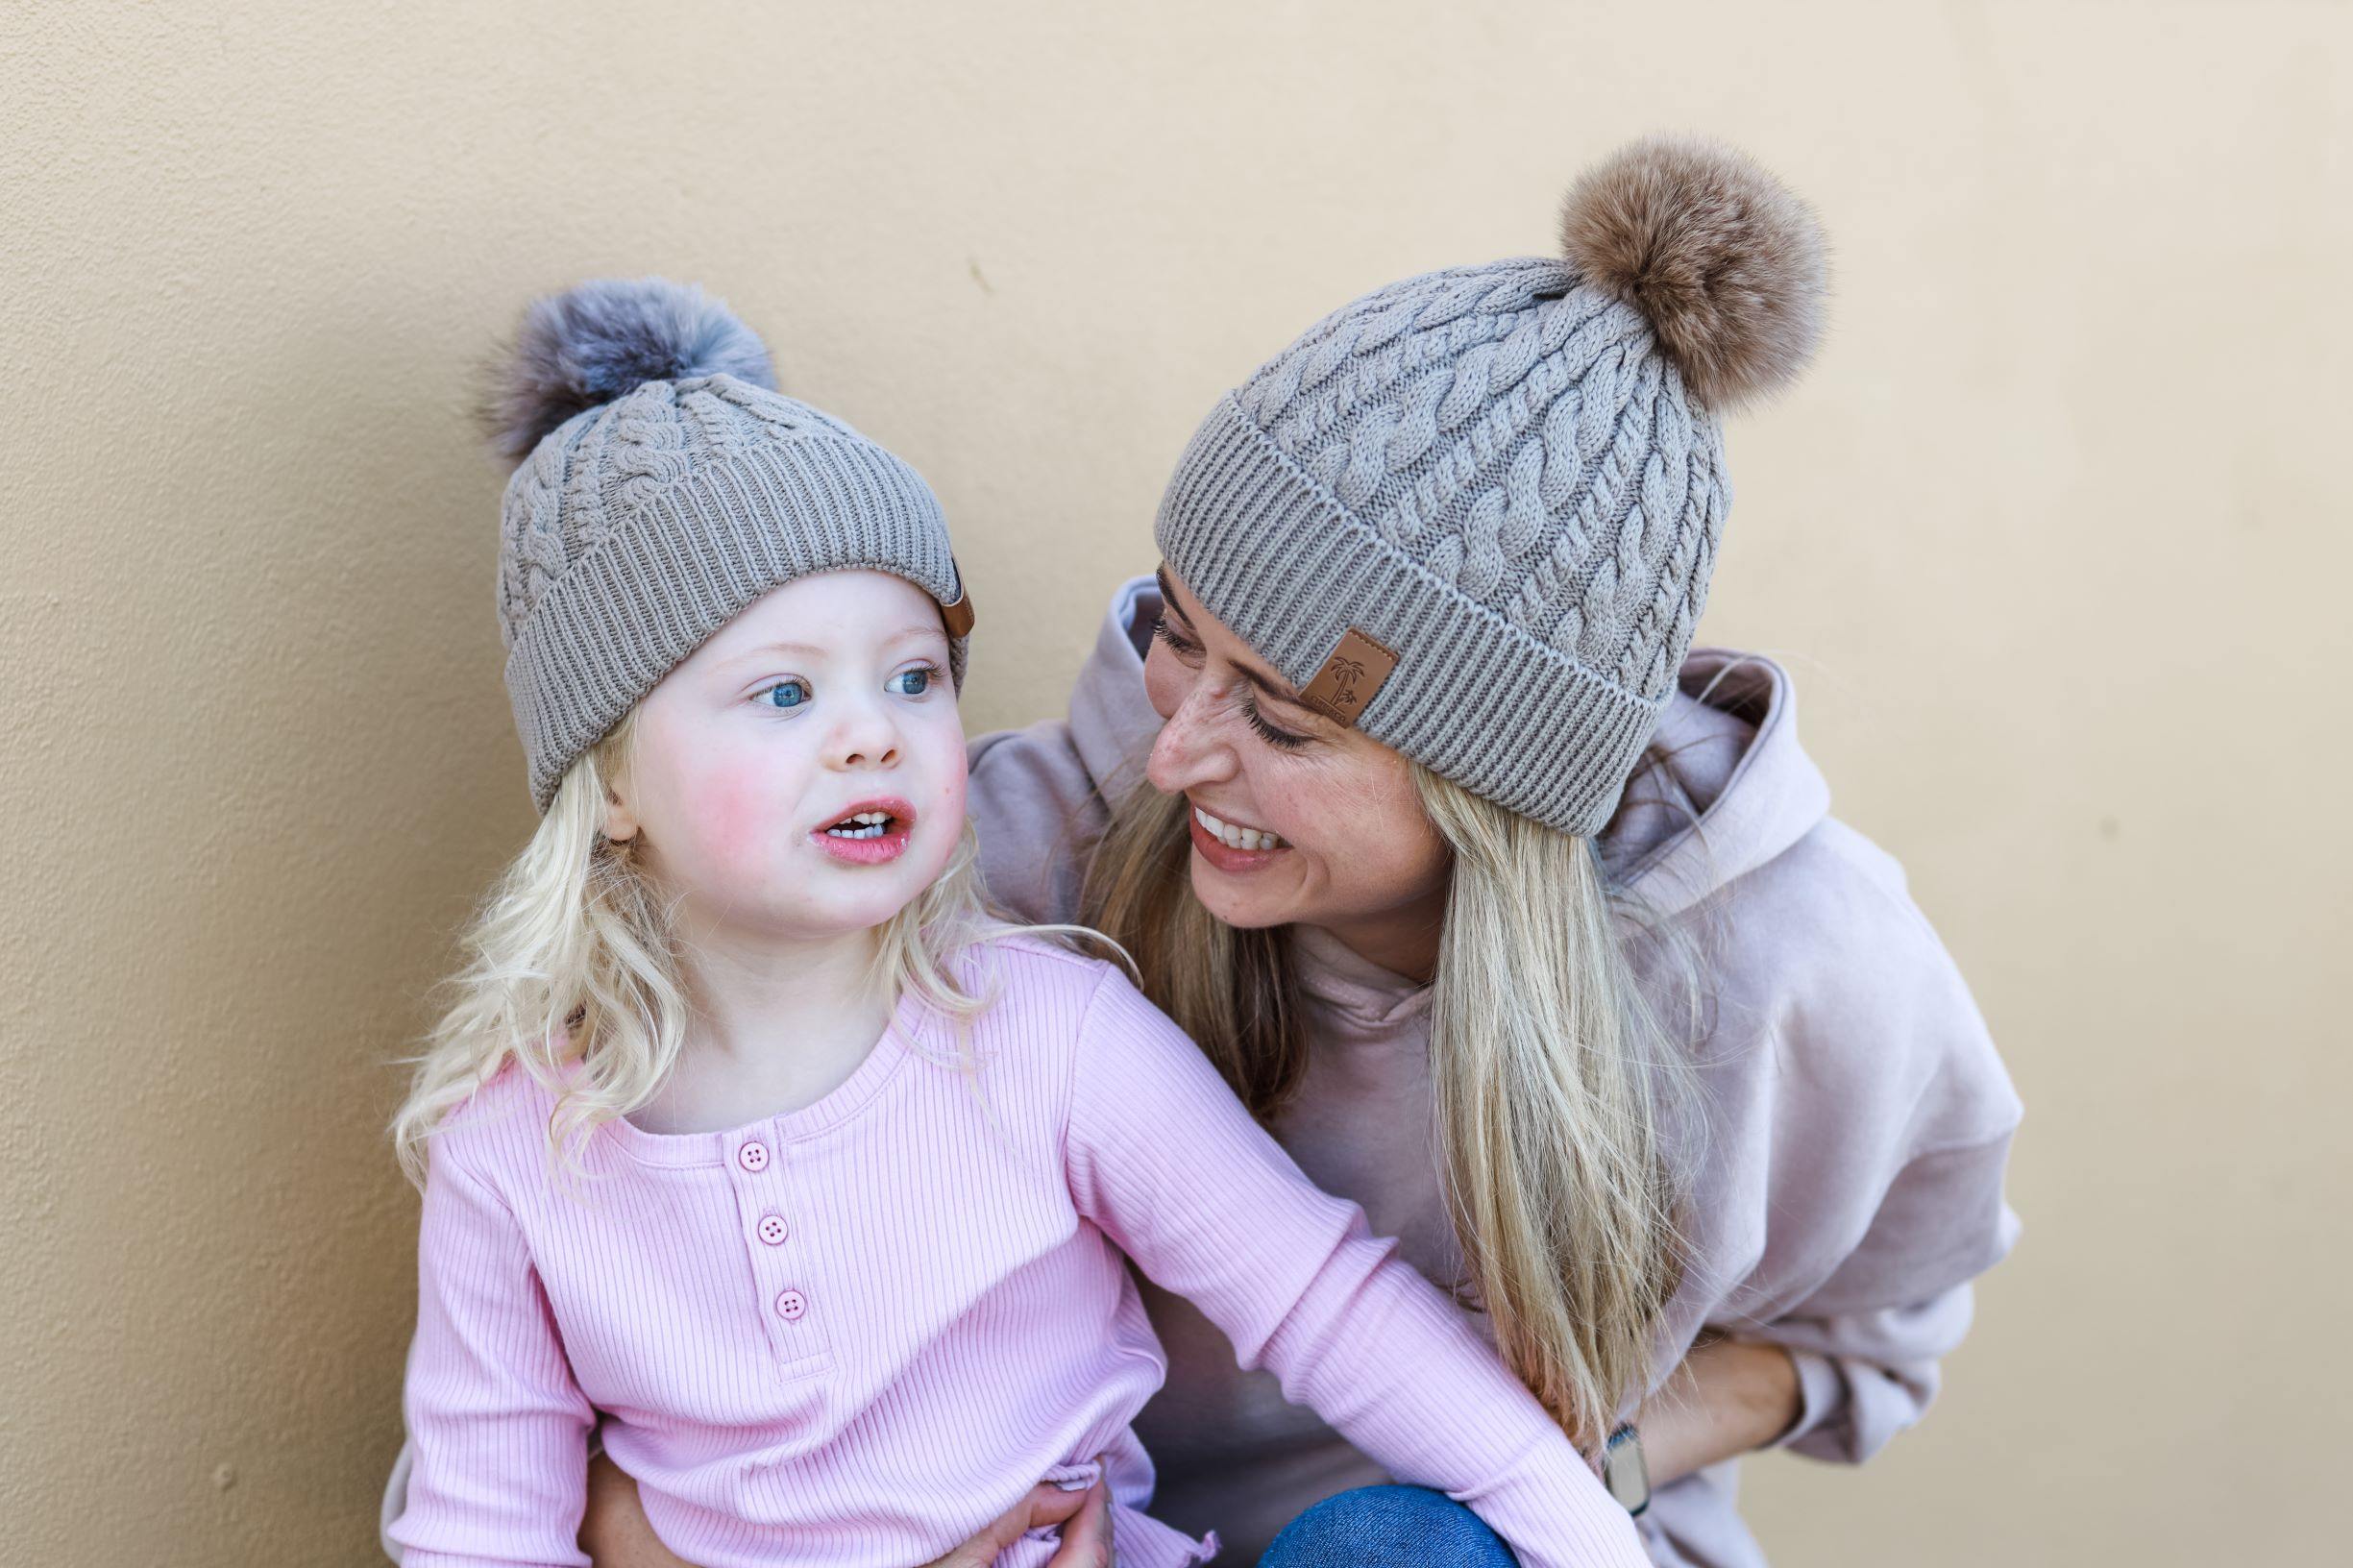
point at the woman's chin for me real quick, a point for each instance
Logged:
(1251, 908)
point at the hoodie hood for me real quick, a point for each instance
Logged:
(1736, 788)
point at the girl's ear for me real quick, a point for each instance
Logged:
(619, 822)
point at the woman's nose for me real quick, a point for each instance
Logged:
(1189, 753)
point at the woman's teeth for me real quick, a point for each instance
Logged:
(872, 824)
(1236, 838)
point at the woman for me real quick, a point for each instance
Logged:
(1519, 923)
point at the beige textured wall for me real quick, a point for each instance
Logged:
(2054, 540)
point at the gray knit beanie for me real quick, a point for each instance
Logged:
(1474, 513)
(664, 485)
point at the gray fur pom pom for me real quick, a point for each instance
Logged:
(601, 340)
(1722, 258)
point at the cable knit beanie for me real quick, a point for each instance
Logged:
(664, 485)
(1474, 513)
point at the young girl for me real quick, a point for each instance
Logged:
(751, 1137)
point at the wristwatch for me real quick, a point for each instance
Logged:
(1624, 1472)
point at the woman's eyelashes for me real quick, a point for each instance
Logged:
(1178, 644)
(1282, 738)
(1190, 652)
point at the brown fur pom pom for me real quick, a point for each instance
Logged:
(1725, 261)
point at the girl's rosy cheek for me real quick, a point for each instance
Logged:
(736, 810)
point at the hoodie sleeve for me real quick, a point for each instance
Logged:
(1170, 1165)
(1868, 1127)
(1865, 1373)
(1852, 1402)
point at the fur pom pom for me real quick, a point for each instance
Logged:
(1725, 261)
(601, 340)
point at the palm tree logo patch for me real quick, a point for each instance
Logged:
(1350, 678)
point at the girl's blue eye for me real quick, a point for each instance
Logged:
(912, 682)
(785, 694)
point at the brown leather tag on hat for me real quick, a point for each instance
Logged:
(957, 616)
(1349, 678)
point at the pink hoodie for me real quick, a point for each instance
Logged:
(1858, 1118)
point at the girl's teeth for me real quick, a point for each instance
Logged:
(871, 826)
(1236, 838)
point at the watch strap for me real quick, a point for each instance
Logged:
(1625, 1471)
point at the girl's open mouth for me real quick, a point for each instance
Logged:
(869, 833)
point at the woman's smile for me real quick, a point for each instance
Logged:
(1231, 846)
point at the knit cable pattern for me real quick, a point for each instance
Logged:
(635, 529)
(1523, 440)
(1494, 472)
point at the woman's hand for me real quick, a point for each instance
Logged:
(1085, 1518)
(615, 1533)
(1730, 1397)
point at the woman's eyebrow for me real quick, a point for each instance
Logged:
(1167, 595)
(1271, 685)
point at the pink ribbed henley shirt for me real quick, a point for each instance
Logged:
(853, 1334)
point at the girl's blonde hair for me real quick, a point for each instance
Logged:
(1550, 1074)
(572, 971)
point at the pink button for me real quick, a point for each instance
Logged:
(752, 1157)
(772, 1230)
(790, 1305)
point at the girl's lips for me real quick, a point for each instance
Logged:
(879, 850)
(1223, 855)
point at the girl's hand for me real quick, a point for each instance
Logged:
(615, 1533)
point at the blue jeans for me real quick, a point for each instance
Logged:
(1387, 1526)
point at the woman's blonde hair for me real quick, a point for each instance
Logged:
(572, 971)
(1550, 1074)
